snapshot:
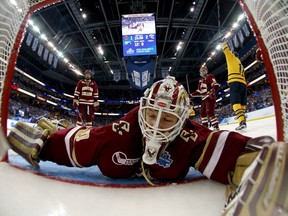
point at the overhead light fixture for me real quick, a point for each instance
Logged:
(30, 22)
(43, 37)
(240, 17)
(60, 54)
(50, 44)
(235, 25)
(36, 29)
(100, 50)
(84, 15)
(228, 34)
(218, 47)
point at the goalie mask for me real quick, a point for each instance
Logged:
(203, 71)
(164, 108)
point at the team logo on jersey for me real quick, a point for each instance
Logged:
(186, 135)
(165, 160)
(151, 152)
(121, 127)
(119, 158)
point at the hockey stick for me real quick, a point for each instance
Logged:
(187, 83)
(80, 116)
(200, 96)
(196, 96)
(188, 90)
(207, 95)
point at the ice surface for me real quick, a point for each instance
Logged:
(24, 193)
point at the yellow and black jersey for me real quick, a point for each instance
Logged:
(236, 71)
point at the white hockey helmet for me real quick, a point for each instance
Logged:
(164, 96)
(203, 71)
(88, 72)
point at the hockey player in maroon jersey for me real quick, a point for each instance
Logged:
(207, 87)
(155, 139)
(85, 100)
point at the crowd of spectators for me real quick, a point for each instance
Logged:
(118, 102)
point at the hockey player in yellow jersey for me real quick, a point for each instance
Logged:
(237, 83)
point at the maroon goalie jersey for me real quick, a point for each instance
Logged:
(117, 149)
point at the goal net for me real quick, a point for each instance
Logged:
(14, 15)
(268, 19)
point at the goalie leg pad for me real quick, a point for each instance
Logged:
(263, 189)
(27, 141)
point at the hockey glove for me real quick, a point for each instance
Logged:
(75, 104)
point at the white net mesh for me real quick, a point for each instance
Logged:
(271, 18)
(11, 17)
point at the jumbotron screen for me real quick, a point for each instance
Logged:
(138, 34)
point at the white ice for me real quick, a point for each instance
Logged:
(23, 193)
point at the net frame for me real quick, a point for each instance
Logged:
(269, 22)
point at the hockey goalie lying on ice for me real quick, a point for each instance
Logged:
(158, 141)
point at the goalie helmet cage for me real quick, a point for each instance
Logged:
(267, 18)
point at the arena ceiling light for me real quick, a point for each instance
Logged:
(51, 44)
(227, 35)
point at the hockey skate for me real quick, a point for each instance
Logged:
(216, 128)
(242, 126)
(27, 141)
(263, 188)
